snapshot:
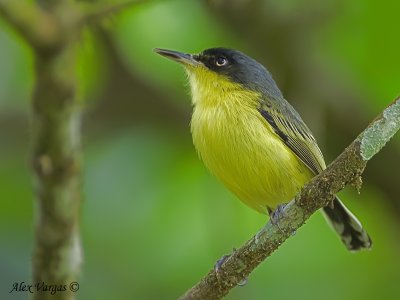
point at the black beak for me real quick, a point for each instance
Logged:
(183, 58)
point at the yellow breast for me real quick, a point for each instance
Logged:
(240, 148)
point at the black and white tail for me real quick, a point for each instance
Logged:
(347, 226)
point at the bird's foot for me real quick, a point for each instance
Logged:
(243, 282)
(274, 216)
(277, 214)
(220, 262)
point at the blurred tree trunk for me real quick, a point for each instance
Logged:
(51, 28)
(56, 161)
(56, 145)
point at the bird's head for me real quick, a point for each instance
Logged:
(221, 70)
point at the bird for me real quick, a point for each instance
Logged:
(252, 139)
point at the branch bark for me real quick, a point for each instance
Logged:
(346, 169)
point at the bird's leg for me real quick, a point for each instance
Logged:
(274, 216)
(277, 214)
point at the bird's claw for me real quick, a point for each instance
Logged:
(277, 214)
(243, 282)
(220, 262)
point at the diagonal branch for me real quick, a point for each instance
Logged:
(346, 169)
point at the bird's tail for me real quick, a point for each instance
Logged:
(347, 226)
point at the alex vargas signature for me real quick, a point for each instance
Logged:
(43, 287)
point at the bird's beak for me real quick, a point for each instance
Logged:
(183, 58)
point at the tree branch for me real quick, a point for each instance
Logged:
(38, 27)
(102, 9)
(347, 168)
(45, 30)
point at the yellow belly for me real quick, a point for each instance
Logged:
(240, 148)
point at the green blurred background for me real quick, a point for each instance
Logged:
(154, 221)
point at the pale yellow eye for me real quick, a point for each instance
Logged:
(221, 61)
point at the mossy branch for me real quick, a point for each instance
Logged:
(346, 169)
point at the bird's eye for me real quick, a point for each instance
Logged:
(221, 61)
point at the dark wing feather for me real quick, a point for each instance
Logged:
(289, 126)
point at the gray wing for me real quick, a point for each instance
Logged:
(289, 126)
